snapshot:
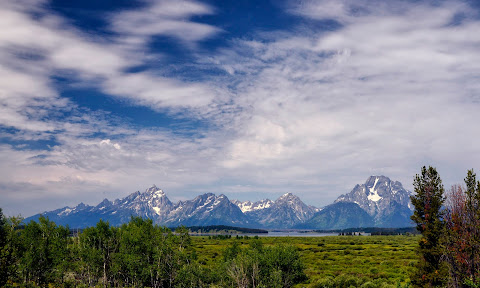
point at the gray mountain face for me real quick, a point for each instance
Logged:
(153, 203)
(207, 209)
(340, 215)
(384, 200)
(288, 210)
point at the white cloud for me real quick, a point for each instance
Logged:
(387, 92)
(395, 87)
(159, 92)
(110, 143)
(163, 18)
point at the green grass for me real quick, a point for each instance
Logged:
(342, 259)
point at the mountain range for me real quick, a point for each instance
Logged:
(379, 202)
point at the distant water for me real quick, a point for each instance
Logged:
(273, 234)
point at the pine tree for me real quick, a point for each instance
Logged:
(473, 223)
(428, 216)
(3, 249)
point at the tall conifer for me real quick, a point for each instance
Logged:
(428, 216)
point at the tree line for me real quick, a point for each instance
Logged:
(449, 222)
(136, 254)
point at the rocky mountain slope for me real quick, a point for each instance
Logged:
(339, 215)
(287, 211)
(386, 201)
(207, 209)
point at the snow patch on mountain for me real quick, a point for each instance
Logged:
(373, 196)
(248, 206)
(65, 212)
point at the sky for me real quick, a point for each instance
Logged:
(252, 99)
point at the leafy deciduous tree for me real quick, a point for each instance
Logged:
(462, 233)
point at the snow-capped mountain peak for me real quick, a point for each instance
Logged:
(379, 196)
(155, 191)
(287, 196)
(286, 211)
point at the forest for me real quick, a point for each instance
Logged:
(141, 254)
(136, 254)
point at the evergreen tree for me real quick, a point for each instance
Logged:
(473, 223)
(428, 216)
(3, 249)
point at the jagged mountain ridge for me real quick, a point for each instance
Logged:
(386, 204)
(203, 210)
(288, 210)
(153, 203)
(207, 209)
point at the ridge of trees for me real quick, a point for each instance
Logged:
(374, 230)
(216, 228)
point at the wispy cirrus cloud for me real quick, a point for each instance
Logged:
(33, 49)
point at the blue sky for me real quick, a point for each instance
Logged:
(252, 99)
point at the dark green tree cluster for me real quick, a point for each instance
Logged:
(136, 254)
(259, 266)
(449, 248)
(32, 254)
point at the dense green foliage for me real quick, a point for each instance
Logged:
(136, 254)
(259, 266)
(3, 249)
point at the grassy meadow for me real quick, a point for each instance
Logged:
(335, 261)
